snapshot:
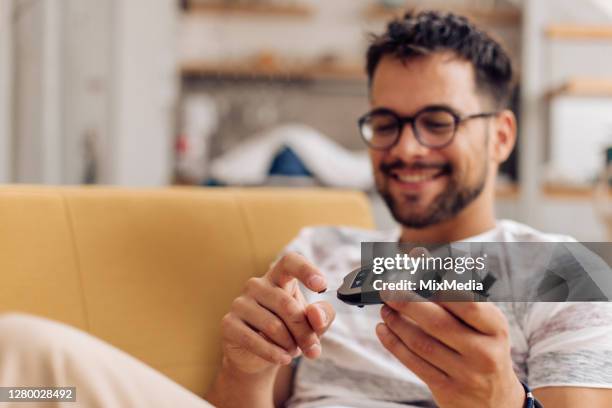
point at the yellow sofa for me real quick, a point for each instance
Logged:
(151, 271)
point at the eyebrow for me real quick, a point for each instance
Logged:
(441, 106)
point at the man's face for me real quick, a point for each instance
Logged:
(424, 186)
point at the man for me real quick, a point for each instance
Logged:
(437, 132)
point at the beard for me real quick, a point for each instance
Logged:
(446, 205)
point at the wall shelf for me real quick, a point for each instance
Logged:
(572, 192)
(284, 71)
(579, 32)
(507, 191)
(598, 87)
(549, 191)
(493, 17)
(270, 9)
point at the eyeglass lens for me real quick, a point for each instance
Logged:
(432, 128)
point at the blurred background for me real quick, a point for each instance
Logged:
(268, 92)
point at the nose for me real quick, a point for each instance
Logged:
(408, 147)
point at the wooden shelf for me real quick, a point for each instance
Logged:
(284, 71)
(549, 191)
(275, 9)
(598, 87)
(579, 32)
(493, 17)
(561, 191)
(507, 191)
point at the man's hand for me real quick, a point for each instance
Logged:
(270, 322)
(460, 349)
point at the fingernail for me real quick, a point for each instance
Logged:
(322, 314)
(285, 359)
(322, 291)
(316, 282)
(382, 329)
(313, 350)
(385, 311)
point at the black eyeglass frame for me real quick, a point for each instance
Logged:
(412, 120)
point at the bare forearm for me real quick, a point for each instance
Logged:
(563, 397)
(235, 389)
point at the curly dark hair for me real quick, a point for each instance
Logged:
(427, 32)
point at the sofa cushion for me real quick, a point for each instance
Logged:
(152, 271)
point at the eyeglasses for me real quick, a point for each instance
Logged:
(433, 126)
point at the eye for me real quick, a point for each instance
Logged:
(439, 122)
(385, 128)
(383, 125)
(438, 126)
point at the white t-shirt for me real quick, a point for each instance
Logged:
(553, 344)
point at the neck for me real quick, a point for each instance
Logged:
(476, 218)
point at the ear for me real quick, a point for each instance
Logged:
(503, 136)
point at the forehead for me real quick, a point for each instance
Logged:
(436, 79)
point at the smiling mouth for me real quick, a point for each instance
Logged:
(420, 175)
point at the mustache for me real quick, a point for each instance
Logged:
(387, 168)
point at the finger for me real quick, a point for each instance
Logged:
(293, 265)
(482, 316)
(236, 332)
(299, 296)
(260, 318)
(291, 312)
(438, 323)
(424, 370)
(422, 344)
(320, 315)
(419, 251)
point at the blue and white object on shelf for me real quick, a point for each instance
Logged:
(293, 150)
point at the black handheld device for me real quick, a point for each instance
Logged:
(357, 289)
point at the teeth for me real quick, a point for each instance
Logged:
(417, 177)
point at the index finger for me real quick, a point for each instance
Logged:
(482, 316)
(295, 266)
(438, 322)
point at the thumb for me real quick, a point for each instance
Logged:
(320, 316)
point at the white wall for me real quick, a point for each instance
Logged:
(87, 67)
(581, 130)
(103, 70)
(121, 92)
(546, 64)
(34, 77)
(143, 94)
(6, 72)
(27, 79)
(52, 98)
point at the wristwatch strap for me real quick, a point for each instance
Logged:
(530, 401)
